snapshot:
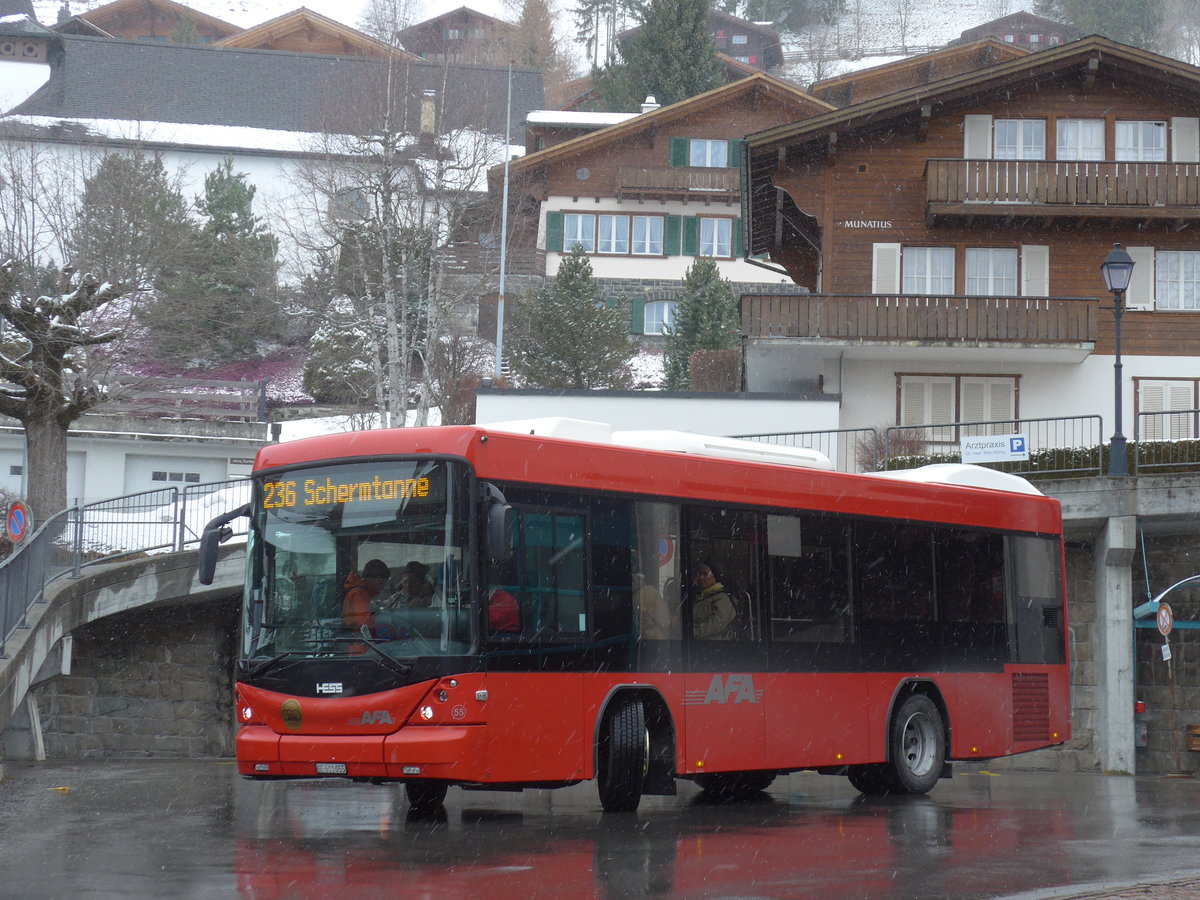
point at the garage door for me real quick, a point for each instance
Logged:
(147, 473)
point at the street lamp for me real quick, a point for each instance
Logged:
(1117, 270)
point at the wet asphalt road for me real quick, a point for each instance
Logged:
(195, 829)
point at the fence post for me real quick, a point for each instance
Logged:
(181, 518)
(77, 541)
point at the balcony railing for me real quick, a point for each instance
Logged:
(1168, 187)
(676, 180)
(882, 317)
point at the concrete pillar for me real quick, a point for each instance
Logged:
(1115, 547)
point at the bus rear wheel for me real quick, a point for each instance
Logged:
(623, 755)
(734, 785)
(917, 740)
(425, 796)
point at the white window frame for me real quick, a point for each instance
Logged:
(1177, 280)
(942, 399)
(708, 154)
(1023, 139)
(927, 271)
(986, 275)
(612, 234)
(1079, 139)
(716, 237)
(1162, 395)
(579, 229)
(646, 235)
(659, 315)
(1130, 142)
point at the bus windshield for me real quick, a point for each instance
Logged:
(357, 558)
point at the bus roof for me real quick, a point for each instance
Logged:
(524, 452)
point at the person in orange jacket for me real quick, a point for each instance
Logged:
(361, 589)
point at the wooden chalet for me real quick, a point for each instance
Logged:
(648, 195)
(304, 31)
(754, 44)
(1022, 29)
(878, 81)
(461, 36)
(951, 235)
(148, 20)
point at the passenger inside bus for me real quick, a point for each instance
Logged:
(416, 590)
(503, 611)
(361, 589)
(713, 609)
(653, 618)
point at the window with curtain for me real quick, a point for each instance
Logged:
(991, 272)
(1020, 138)
(647, 235)
(659, 316)
(928, 270)
(579, 230)
(1080, 139)
(1177, 275)
(708, 154)
(716, 237)
(613, 236)
(1141, 141)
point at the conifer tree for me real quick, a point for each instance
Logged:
(568, 336)
(670, 56)
(222, 302)
(706, 318)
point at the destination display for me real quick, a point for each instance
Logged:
(351, 485)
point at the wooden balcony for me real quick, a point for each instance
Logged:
(677, 182)
(994, 188)
(891, 318)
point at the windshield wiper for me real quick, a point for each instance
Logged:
(400, 668)
(269, 664)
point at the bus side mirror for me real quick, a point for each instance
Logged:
(499, 526)
(215, 533)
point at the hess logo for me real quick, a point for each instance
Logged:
(374, 717)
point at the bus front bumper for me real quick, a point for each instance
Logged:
(444, 752)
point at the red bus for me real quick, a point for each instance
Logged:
(502, 607)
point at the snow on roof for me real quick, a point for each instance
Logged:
(573, 117)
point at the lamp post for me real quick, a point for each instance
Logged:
(1117, 270)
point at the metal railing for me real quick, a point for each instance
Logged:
(850, 449)
(1057, 446)
(1166, 440)
(166, 520)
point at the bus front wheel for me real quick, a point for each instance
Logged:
(918, 746)
(425, 796)
(623, 755)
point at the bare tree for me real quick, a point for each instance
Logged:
(385, 19)
(384, 194)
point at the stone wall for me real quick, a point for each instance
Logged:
(155, 682)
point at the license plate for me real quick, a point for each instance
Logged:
(331, 768)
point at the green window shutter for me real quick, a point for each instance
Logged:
(554, 232)
(737, 248)
(612, 302)
(691, 236)
(671, 231)
(735, 154)
(679, 151)
(637, 315)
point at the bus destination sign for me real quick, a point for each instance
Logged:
(313, 492)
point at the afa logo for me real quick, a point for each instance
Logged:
(374, 717)
(725, 689)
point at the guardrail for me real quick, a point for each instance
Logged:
(1166, 440)
(166, 520)
(850, 449)
(1057, 446)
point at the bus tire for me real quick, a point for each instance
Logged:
(622, 755)
(869, 780)
(425, 796)
(734, 785)
(917, 741)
